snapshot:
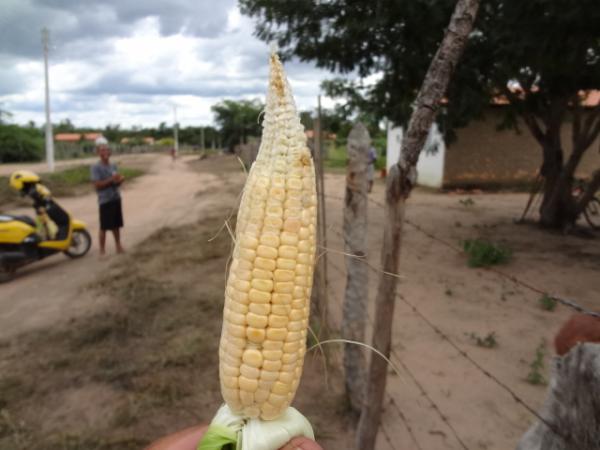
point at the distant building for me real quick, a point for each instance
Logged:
(76, 137)
(147, 140)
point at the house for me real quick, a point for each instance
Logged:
(146, 140)
(484, 157)
(75, 138)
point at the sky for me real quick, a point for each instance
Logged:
(129, 62)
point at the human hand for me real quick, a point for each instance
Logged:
(189, 438)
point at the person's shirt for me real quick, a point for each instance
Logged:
(372, 155)
(100, 172)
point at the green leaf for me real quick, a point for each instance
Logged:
(218, 437)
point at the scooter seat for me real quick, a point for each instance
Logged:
(25, 219)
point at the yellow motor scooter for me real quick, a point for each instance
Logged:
(24, 240)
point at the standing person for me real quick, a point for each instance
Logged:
(107, 180)
(371, 167)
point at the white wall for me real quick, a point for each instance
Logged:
(430, 168)
(394, 142)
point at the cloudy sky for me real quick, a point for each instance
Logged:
(130, 61)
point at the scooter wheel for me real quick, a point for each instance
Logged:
(81, 241)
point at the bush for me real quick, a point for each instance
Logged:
(19, 144)
(483, 253)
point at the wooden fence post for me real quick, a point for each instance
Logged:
(571, 411)
(399, 183)
(357, 275)
(319, 293)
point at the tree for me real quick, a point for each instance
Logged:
(19, 144)
(237, 120)
(64, 126)
(550, 48)
(113, 133)
(4, 114)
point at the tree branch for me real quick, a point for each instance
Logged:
(592, 130)
(528, 117)
(576, 135)
(594, 114)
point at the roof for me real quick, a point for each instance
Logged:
(76, 137)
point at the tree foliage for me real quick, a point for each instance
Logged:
(549, 49)
(237, 120)
(19, 144)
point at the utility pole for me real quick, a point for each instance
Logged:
(49, 137)
(175, 131)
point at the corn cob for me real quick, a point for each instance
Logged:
(267, 298)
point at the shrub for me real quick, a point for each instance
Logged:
(483, 253)
(19, 144)
(547, 303)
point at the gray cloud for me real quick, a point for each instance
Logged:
(126, 61)
(122, 83)
(91, 20)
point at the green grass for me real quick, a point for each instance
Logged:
(336, 158)
(483, 253)
(547, 303)
(64, 183)
(535, 375)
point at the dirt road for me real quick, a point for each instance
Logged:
(50, 291)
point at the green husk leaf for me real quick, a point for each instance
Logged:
(218, 437)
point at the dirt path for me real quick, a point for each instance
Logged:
(462, 302)
(50, 291)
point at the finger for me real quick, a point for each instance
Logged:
(301, 443)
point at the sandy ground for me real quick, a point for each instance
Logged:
(457, 299)
(460, 300)
(49, 291)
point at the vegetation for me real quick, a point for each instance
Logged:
(64, 183)
(483, 253)
(488, 341)
(539, 63)
(18, 144)
(547, 303)
(535, 375)
(237, 121)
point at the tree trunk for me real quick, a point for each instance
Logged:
(559, 208)
(400, 181)
(572, 408)
(357, 279)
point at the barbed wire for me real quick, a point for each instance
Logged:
(371, 322)
(572, 304)
(465, 355)
(420, 387)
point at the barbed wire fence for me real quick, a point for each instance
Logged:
(573, 305)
